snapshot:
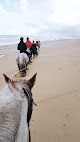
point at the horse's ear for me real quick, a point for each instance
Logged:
(33, 79)
(6, 78)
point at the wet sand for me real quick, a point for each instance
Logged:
(56, 92)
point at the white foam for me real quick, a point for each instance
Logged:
(1, 55)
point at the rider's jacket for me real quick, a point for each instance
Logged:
(22, 47)
(33, 43)
(33, 47)
(28, 44)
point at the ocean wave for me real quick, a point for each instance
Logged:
(15, 39)
(1, 55)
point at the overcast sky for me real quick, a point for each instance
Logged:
(40, 17)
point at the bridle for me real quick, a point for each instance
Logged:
(28, 94)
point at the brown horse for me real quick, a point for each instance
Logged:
(15, 109)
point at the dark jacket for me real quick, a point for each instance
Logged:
(33, 47)
(22, 47)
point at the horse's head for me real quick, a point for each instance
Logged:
(15, 111)
(23, 83)
(23, 88)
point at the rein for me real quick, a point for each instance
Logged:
(28, 94)
(17, 72)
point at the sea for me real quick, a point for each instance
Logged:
(14, 39)
(7, 40)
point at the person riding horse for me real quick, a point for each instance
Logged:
(38, 43)
(29, 52)
(22, 47)
(34, 49)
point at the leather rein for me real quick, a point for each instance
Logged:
(28, 94)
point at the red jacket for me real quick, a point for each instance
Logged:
(28, 44)
(33, 43)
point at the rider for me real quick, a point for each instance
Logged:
(28, 44)
(22, 46)
(33, 48)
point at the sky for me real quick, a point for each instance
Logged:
(40, 17)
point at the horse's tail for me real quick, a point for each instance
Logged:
(27, 59)
(21, 59)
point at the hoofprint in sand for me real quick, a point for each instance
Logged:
(57, 93)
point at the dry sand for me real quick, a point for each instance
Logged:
(56, 92)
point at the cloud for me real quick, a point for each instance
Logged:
(24, 6)
(1, 9)
(66, 12)
(8, 3)
(51, 17)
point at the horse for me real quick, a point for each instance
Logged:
(15, 109)
(22, 62)
(34, 50)
(38, 44)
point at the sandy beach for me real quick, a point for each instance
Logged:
(56, 92)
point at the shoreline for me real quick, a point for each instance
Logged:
(47, 40)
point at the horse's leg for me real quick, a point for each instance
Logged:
(17, 60)
(29, 55)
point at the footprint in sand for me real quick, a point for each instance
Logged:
(67, 115)
(59, 68)
(64, 125)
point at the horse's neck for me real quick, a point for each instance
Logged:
(9, 124)
(13, 126)
(13, 117)
(22, 132)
